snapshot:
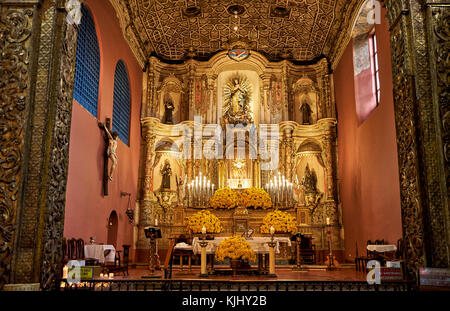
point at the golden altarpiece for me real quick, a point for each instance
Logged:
(294, 101)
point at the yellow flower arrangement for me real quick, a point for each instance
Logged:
(205, 218)
(235, 247)
(255, 198)
(281, 221)
(224, 198)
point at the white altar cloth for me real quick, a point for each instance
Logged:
(98, 252)
(258, 244)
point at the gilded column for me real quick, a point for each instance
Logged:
(285, 82)
(145, 206)
(328, 151)
(289, 153)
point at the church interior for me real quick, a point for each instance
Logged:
(226, 141)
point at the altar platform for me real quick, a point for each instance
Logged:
(285, 272)
(312, 280)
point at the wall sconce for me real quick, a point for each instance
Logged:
(129, 211)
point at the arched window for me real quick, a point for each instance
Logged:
(365, 60)
(87, 70)
(121, 104)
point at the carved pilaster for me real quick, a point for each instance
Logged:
(424, 196)
(46, 82)
(15, 45)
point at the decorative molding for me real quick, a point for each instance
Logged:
(310, 30)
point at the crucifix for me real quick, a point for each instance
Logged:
(110, 153)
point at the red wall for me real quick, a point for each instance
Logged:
(368, 165)
(87, 210)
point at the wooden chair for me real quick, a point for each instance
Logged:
(168, 262)
(361, 261)
(80, 248)
(183, 253)
(72, 249)
(307, 251)
(120, 265)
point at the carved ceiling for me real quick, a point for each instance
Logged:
(299, 30)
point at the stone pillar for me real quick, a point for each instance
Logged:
(37, 53)
(420, 72)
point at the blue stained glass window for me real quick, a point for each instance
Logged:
(87, 70)
(121, 106)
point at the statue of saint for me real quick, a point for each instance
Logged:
(306, 113)
(166, 172)
(168, 111)
(310, 180)
(112, 147)
(180, 189)
(238, 97)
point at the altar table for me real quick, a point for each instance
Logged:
(381, 248)
(98, 252)
(258, 244)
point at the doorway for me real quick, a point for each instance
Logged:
(113, 223)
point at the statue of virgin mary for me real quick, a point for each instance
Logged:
(237, 96)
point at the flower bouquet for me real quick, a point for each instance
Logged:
(205, 218)
(282, 222)
(255, 198)
(224, 198)
(237, 250)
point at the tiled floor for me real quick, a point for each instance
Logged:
(283, 273)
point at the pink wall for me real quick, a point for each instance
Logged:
(87, 210)
(368, 165)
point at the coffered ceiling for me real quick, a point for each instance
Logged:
(299, 30)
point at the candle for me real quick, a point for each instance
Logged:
(65, 271)
(204, 230)
(272, 230)
(111, 275)
(156, 222)
(328, 220)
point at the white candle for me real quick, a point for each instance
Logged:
(111, 275)
(272, 230)
(156, 222)
(204, 230)
(65, 272)
(328, 220)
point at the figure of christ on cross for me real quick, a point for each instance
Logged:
(111, 141)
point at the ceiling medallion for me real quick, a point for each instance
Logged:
(236, 9)
(192, 11)
(280, 11)
(238, 53)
